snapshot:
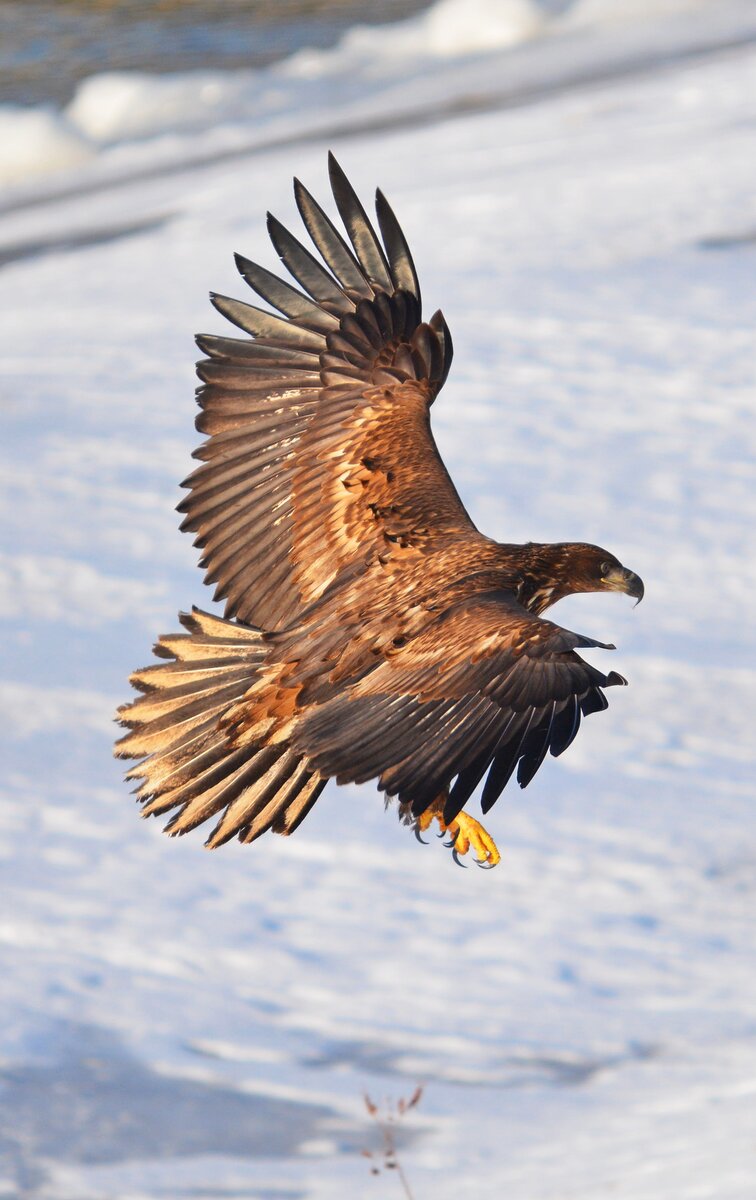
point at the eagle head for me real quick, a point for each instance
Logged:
(592, 569)
(554, 570)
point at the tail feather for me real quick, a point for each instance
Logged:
(187, 677)
(190, 762)
(254, 801)
(175, 767)
(280, 804)
(166, 709)
(196, 782)
(291, 816)
(150, 739)
(237, 787)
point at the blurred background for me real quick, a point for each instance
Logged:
(576, 181)
(48, 47)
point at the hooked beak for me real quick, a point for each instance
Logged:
(622, 580)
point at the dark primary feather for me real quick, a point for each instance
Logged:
(401, 264)
(285, 298)
(368, 249)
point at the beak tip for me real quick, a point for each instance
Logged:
(635, 588)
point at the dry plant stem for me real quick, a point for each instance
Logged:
(386, 1124)
(390, 1156)
(403, 1179)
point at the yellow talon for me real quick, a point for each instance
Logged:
(465, 831)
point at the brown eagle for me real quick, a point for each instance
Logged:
(370, 630)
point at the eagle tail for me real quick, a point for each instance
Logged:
(188, 761)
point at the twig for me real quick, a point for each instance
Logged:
(387, 1120)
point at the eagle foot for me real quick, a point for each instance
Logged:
(465, 834)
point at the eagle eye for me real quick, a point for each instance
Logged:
(606, 568)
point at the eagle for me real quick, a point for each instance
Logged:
(370, 631)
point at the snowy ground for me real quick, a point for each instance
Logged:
(583, 1018)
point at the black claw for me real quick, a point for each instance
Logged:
(422, 841)
(458, 860)
(485, 864)
(450, 844)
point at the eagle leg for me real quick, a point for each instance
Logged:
(465, 833)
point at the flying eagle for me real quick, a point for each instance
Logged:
(370, 630)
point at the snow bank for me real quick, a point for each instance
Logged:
(436, 57)
(37, 141)
(449, 29)
(118, 106)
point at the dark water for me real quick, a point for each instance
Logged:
(46, 47)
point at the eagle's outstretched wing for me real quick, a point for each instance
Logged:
(486, 687)
(320, 451)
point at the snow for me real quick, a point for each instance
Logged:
(454, 55)
(117, 107)
(584, 1017)
(38, 141)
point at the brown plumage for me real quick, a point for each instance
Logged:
(371, 631)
